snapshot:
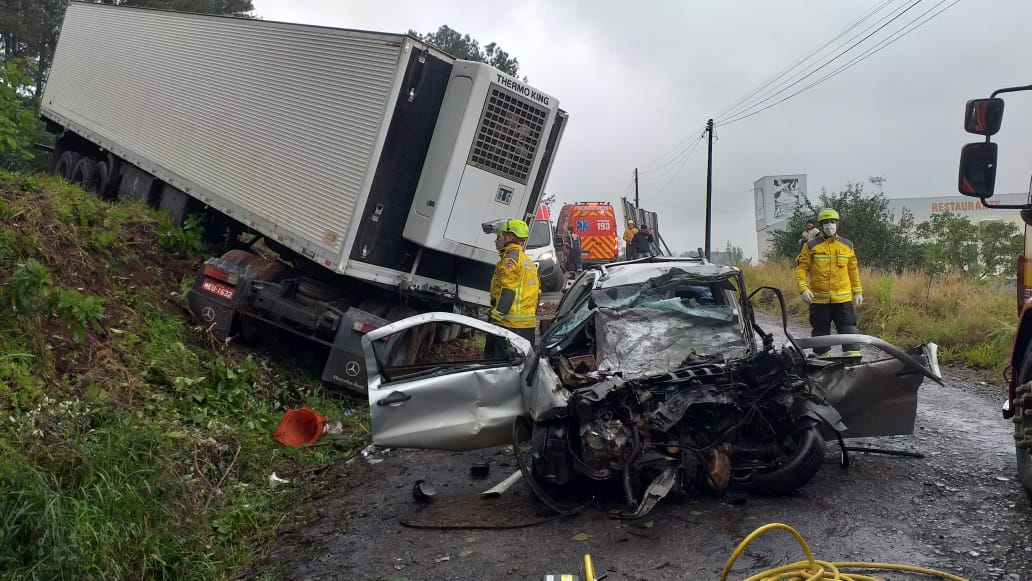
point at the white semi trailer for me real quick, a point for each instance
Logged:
(367, 161)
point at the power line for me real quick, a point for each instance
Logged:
(903, 31)
(780, 74)
(826, 63)
(677, 156)
(773, 89)
(680, 148)
(684, 161)
(682, 152)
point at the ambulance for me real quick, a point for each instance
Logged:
(596, 224)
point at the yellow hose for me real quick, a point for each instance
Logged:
(816, 570)
(589, 569)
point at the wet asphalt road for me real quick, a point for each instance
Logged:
(959, 509)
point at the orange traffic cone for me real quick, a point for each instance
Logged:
(301, 427)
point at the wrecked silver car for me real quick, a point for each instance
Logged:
(653, 375)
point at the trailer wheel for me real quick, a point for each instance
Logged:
(92, 176)
(103, 177)
(66, 164)
(447, 332)
(84, 172)
(315, 290)
(409, 344)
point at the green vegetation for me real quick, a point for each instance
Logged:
(464, 46)
(132, 444)
(971, 321)
(947, 244)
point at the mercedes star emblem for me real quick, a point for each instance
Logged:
(352, 368)
(208, 314)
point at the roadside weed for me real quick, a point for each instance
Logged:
(187, 240)
(132, 446)
(971, 322)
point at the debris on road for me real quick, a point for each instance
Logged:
(423, 491)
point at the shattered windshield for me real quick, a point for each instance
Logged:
(653, 327)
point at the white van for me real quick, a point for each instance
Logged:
(541, 249)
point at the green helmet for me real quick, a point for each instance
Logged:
(518, 228)
(827, 214)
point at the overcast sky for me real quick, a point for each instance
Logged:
(639, 79)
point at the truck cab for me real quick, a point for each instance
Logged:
(977, 178)
(541, 249)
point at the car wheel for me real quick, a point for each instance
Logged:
(1023, 422)
(800, 465)
(66, 163)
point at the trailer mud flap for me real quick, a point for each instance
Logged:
(346, 365)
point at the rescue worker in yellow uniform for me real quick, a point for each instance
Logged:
(829, 280)
(628, 236)
(515, 287)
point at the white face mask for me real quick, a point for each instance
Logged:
(829, 229)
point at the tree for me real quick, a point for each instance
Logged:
(950, 244)
(238, 8)
(879, 239)
(465, 47)
(733, 255)
(28, 30)
(19, 125)
(999, 243)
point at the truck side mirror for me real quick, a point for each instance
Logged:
(983, 116)
(978, 170)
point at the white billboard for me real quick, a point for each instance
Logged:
(777, 197)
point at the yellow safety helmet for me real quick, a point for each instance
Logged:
(827, 214)
(517, 228)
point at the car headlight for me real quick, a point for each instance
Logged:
(547, 255)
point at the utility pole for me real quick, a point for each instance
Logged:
(878, 181)
(636, 206)
(709, 184)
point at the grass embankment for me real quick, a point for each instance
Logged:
(972, 323)
(131, 445)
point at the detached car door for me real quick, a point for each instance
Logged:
(875, 398)
(459, 393)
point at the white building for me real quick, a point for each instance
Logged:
(777, 197)
(924, 208)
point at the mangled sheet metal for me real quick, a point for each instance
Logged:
(657, 335)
